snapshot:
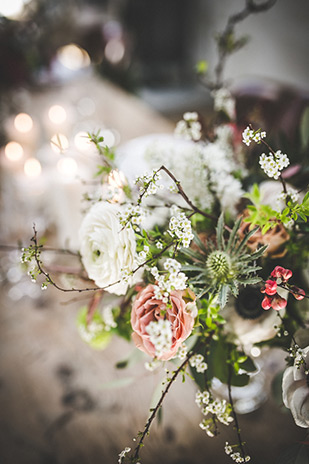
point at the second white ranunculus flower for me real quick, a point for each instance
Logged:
(107, 249)
(295, 391)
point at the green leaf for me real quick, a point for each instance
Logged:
(223, 294)
(233, 236)
(218, 364)
(266, 228)
(219, 230)
(245, 239)
(201, 67)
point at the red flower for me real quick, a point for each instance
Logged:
(266, 303)
(300, 293)
(278, 302)
(281, 273)
(270, 287)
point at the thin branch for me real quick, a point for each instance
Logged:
(186, 198)
(240, 442)
(159, 404)
(250, 8)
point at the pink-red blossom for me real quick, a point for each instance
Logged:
(272, 299)
(297, 292)
(281, 273)
(276, 302)
(270, 287)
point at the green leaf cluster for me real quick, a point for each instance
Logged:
(266, 217)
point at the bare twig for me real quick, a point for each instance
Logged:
(240, 442)
(159, 404)
(251, 7)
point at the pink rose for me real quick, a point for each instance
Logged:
(147, 308)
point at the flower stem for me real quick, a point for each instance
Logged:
(159, 404)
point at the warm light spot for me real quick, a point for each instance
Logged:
(109, 137)
(57, 114)
(23, 122)
(13, 151)
(114, 50)
(82, 142)
(12, 8)
(255, 352)
(32, 168)
(59, 143)
(73, 57)
(67, 167)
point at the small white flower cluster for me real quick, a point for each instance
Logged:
(108, 318)
(160, 335)
(152, 365)
(250, 135)
(273, 164)
(180, 228)
(159, 245)
(142, 255)
(173, 279)
(206, 171)
(123, 453)
(89, 332)
(198, 362)
(125, 274)
(236, 456)
(223, 101)
(182, 352)
(291, 193)
(220, 408)
(189, 127)
(133, 214)
(149, 183)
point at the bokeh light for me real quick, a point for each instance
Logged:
(57, 114)
(23, 123)
(12, 8)
(13, 151)
(59, 143)
(114, 50)
(32, 168)
(73, 57)
(67, 167)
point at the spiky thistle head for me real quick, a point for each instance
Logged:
(228, 265)
(219, 265)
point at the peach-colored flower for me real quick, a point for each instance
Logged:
(147, 308)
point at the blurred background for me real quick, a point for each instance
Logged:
(128, 68)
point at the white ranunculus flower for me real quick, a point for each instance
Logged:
(295, 391)
(107, 248)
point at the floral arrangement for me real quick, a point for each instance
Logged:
(200, 260)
